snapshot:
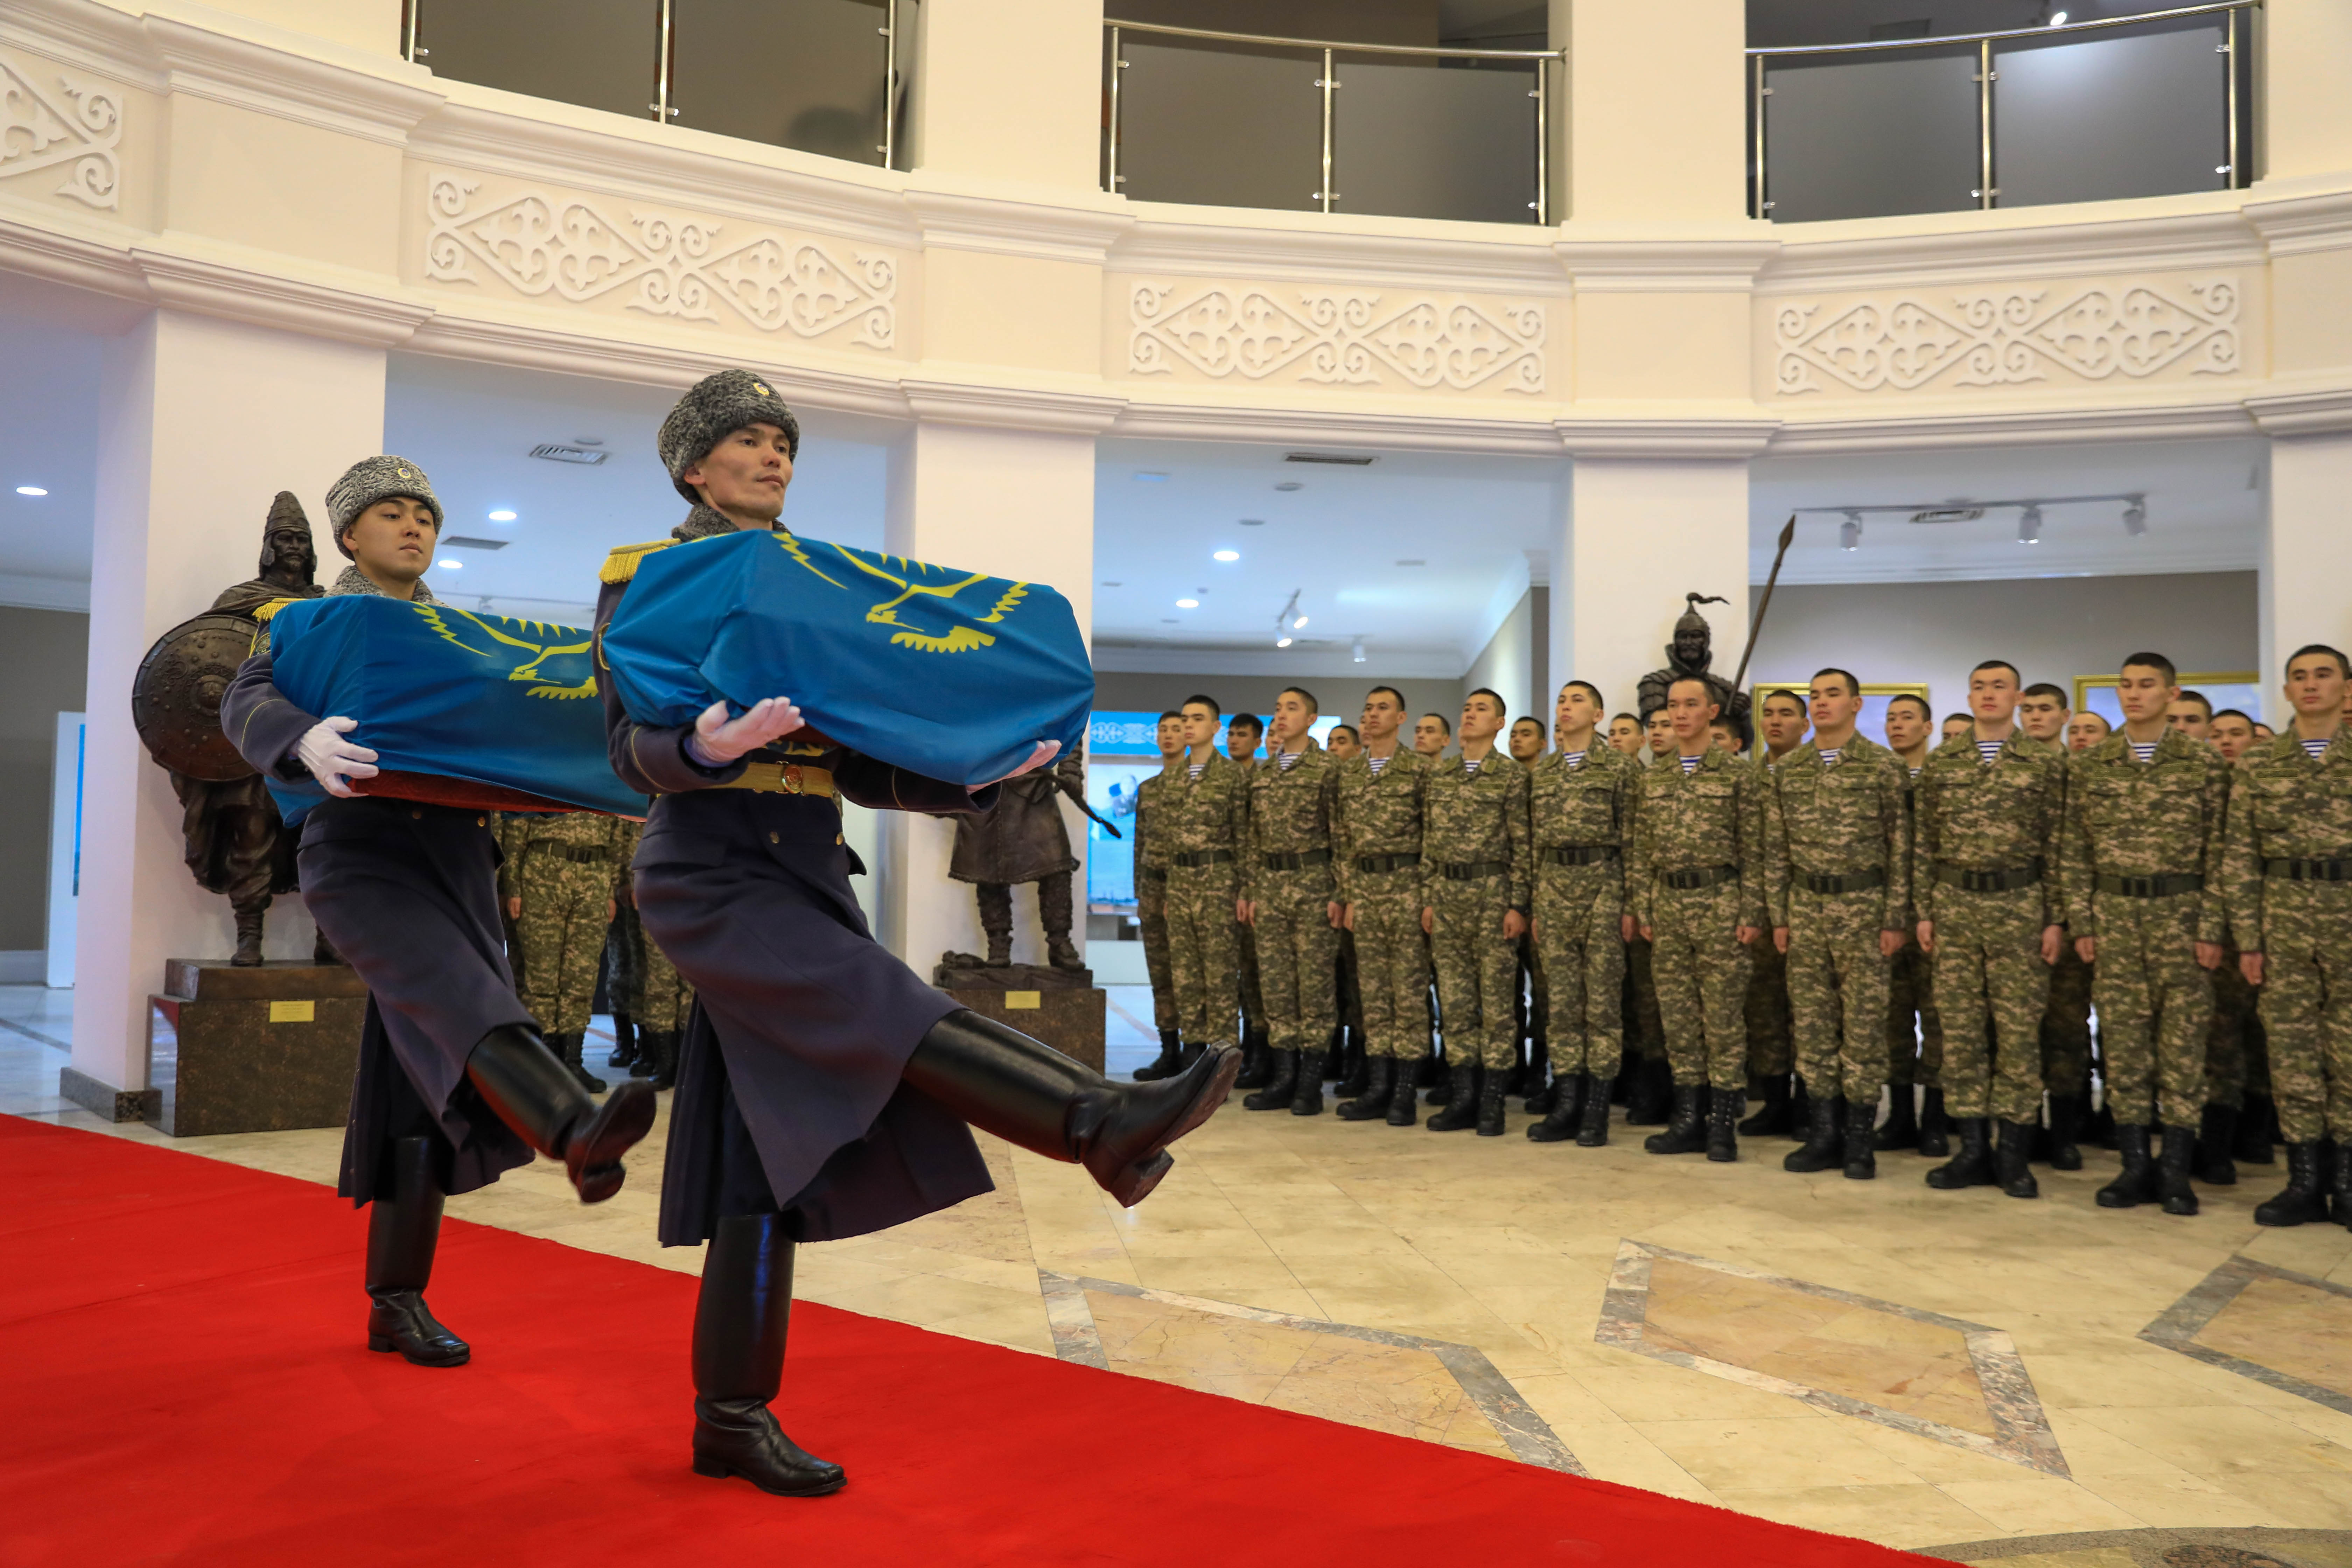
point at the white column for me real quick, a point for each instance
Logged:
(1011, 90)
(1017, 503)
(2307, 556)
(201, 423)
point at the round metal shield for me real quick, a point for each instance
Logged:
(175, 698)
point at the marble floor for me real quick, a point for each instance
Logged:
(1991, 1381)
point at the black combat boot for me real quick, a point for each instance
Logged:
(2009, 1160)
(1352, 1064)
(1686, 1133)
(664, 1048)
(1461, 1109)
(1544, 1093)
(1800, 1107)
(1379, 1077)
(2172, 1171)
(1650, 1098)
(1860, 1127)
(1722, 1110)
(568, 1049)
(1824, 1143)
(1592, 1132)
(1404, 1100)
(2099, 1126)
(625, 1044)
(1934, 1127)
(1973, 1168)
(1258, 1065)
(740, 1321)
(2217, 1131)
(1493, 1093)
(1440, 1078)
(2340, 1182)
(1306, 1092)
(404, 1225)
(1902, 1128)
(2305, 1200)
(1569, 1097)
(2065, 1116)
(1772, 1116)
(534, 1094)
(2136, 1183)
(1171, 1050)
(1274, 1089)
(2257, 1122)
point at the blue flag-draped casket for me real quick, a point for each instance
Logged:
(464, 709)
(953, 675)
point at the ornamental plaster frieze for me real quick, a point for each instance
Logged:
(60, 133)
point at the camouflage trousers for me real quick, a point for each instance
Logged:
(1702, 971)
(1646, 1031)
(1839, 989)
(1202, 952)
(1391, 963)
(1991, 987)
(1477, 969)
(1581, 946)
(1772, 1024)
(2231, 1041)
(2155, 1007)
(668, 998)
(1152, 914)
(1915, 1030)
(2066, 1025)
(2307, 1007)
(564, 906)
(1296, 950)
(624, 959)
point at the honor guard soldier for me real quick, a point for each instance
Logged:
(1376, 838)
(1288, 905)
(1838, 841)
(1152, 894)
(1206, 822)
(1771, 1030)
(1991, 910)
(1915, 1034)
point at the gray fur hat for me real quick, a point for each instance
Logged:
(371, 479)
(713, 409)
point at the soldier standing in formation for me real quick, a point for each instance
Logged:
(1431, 735)
(2043, 712)
(1771, 1038)
(1288, 906)
(1475, 869)
(1243, 732)
(1206, 821)
(1375, 842)
(1914, 1033)
(561, 881)
(1348, 1067)
(1151, 893)
(1532, 995)
(2240, 1118)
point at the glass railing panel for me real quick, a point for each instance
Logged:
(1870, 135)
(600, 53)
(1420, 137)
(806, 74)
(1222, 124)
(2137, 111)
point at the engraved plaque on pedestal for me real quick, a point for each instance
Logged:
(1062, 1007)
(262, 1049)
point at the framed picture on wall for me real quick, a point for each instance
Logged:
(2238, 689)
(1875, 699)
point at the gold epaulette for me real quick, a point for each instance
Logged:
(271, 607)
(621, 565)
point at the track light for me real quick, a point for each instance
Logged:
(1850, 531)
(1358, 651)
(2057, 18)
(2136, 517)
(2029, 526)
(1299, 624)
(1282, 641)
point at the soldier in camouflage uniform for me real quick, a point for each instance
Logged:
(1991, 800)
(1837, 851)
(1290, 904)
(1476, 873)
(2043, 712)
(2236, 1104)
(1243, 732)
(1772, 1023)
(560, 891)
(2288, 874)
(1580, 814)
(662, 1016)
(1376, 836)
(624, 967)
(1914, 1033)
(1205, 822)
(1695, 884)
(1152, 894)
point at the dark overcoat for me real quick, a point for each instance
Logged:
(1023, 838)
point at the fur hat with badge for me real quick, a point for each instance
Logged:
(713, 409)
(371, 479)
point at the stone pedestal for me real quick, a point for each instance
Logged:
(253, 1050)
(1062, 1007)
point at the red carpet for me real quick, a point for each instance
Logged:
(184, 1378)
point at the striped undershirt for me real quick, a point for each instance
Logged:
(2315, 750)
(1690, 765)
(1375, 764)
(2144, 751)
(1987, 750)
(1286, 760)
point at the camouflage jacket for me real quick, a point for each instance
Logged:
(1211, 812)
(1289, 810)
(1378, 813)
(1978, 818)
(1590, 803)
(1151, 844)
(1849, 816)
(1712, 816)
(1478, 816)
(2283, 806)
(2126, 818)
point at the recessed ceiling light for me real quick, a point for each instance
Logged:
(503, 515)
(30, 491)
(587, 440)
(1170, 621)
(1288, 485)
(1413, 562)
(1109, 584)
(1188, 603)
(450, 565)
(1226, 555)
(1144, 477)
(1260, 522)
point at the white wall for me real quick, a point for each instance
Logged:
(1507, 663)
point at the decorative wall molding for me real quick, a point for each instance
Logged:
(539, 244)
(1334, 337)
(77, 127)
(1619, 264)
(1319, 248)
(1276, 424)
(1597, 431)
(1832, 427)
(333, 91)
(2000, 337)
(1943, 250)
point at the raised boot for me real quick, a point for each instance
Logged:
(1165, 1063)
(2065, 1120)
(403, 1226)
(1306, 1094)
(1026, 1092)
(1404, 1102)
(526, 1087)
(2136, 1183)
(1973, 1167)
(2009, 1160)
(1934, 1127)
(1379, 1076)
(1258, 1065)
(1860, 1127)
(248, 934)
(1593, 1131)
(1723, 1125)
(1686, 1132)
(1772, 1116)
(1824, 1143)
(1902, 1128)
(1494, 1094)
(625, 1044)
(2257, 1122)
(2172, 1183)
(740, 1321)
(1275, 1088)
(2305, 1200)
(1461, 1109)
(2217, 1131)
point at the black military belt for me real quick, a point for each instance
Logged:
(1190, 859)
(2309, 870)
(579, 853)
(1578, 855)
(2157, 887)
(1705, 877)
(1464, 871)
(1379, 863)
(2008, 880)
(1299, 861)
(1844, 881)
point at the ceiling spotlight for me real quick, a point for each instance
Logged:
(1112, 582)
(2028, 525)
(503, 515)
(1300, 622)
(30, 491)
(1287, 485)
(2136, 517)
(1282, 641)
(1357, 651)
(1188, 603)
(450, 565)
(1850, 531)
(1146, 477)
(1226, 555)
(2057, 18)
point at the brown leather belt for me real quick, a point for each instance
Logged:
(782, 778)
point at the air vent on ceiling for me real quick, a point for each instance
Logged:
(1333, 458)
(556, 452)
(1949, 514)
(466, 542)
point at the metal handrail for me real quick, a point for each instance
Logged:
(2044, 32)
(1345, 48)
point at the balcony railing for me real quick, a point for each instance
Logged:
(822, 76)
(2150, 105)
(1239, 120)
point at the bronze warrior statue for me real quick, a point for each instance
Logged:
(1688, 655)
(1023, 839)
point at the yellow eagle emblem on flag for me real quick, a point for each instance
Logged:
(912, 587)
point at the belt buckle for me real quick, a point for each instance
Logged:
(790, 778)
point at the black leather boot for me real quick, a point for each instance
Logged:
(2010, 1159)
(1404, 1102)
(2257, 1122)
(1440, 1078)
(2065, 1118)
(625, 1044)
(2172, 1186)
(1723, 1125)
(1544, 1093)
(665, 1049)
(2217, 1131)
(1275, 1088)
(402, 1226)
(1307, 1093)
(1973, 1167)
(1800, 1107)
(1258, 1065)
(1570, 1094)
(1934, 1127)
(1494, 1092)
(1172, 1049)
(1026, 1092)
(1460, 1108)
(741, 1320)
(1772, 1116)
(2339, 1159)
(1824, 1143)
(568, 1049)
(1379, 1076)
(536, 1095)
(1650, 1099)
(1352, 1064)
(2136, 1183)
(645, 1065)
(2304, 1199)
(1592, 1129)
(1861, 1132)
(1686, 1133)
(1902, 1128)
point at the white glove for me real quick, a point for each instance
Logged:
(331, 759)
(717, 740)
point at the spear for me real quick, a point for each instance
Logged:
(1787, 537)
